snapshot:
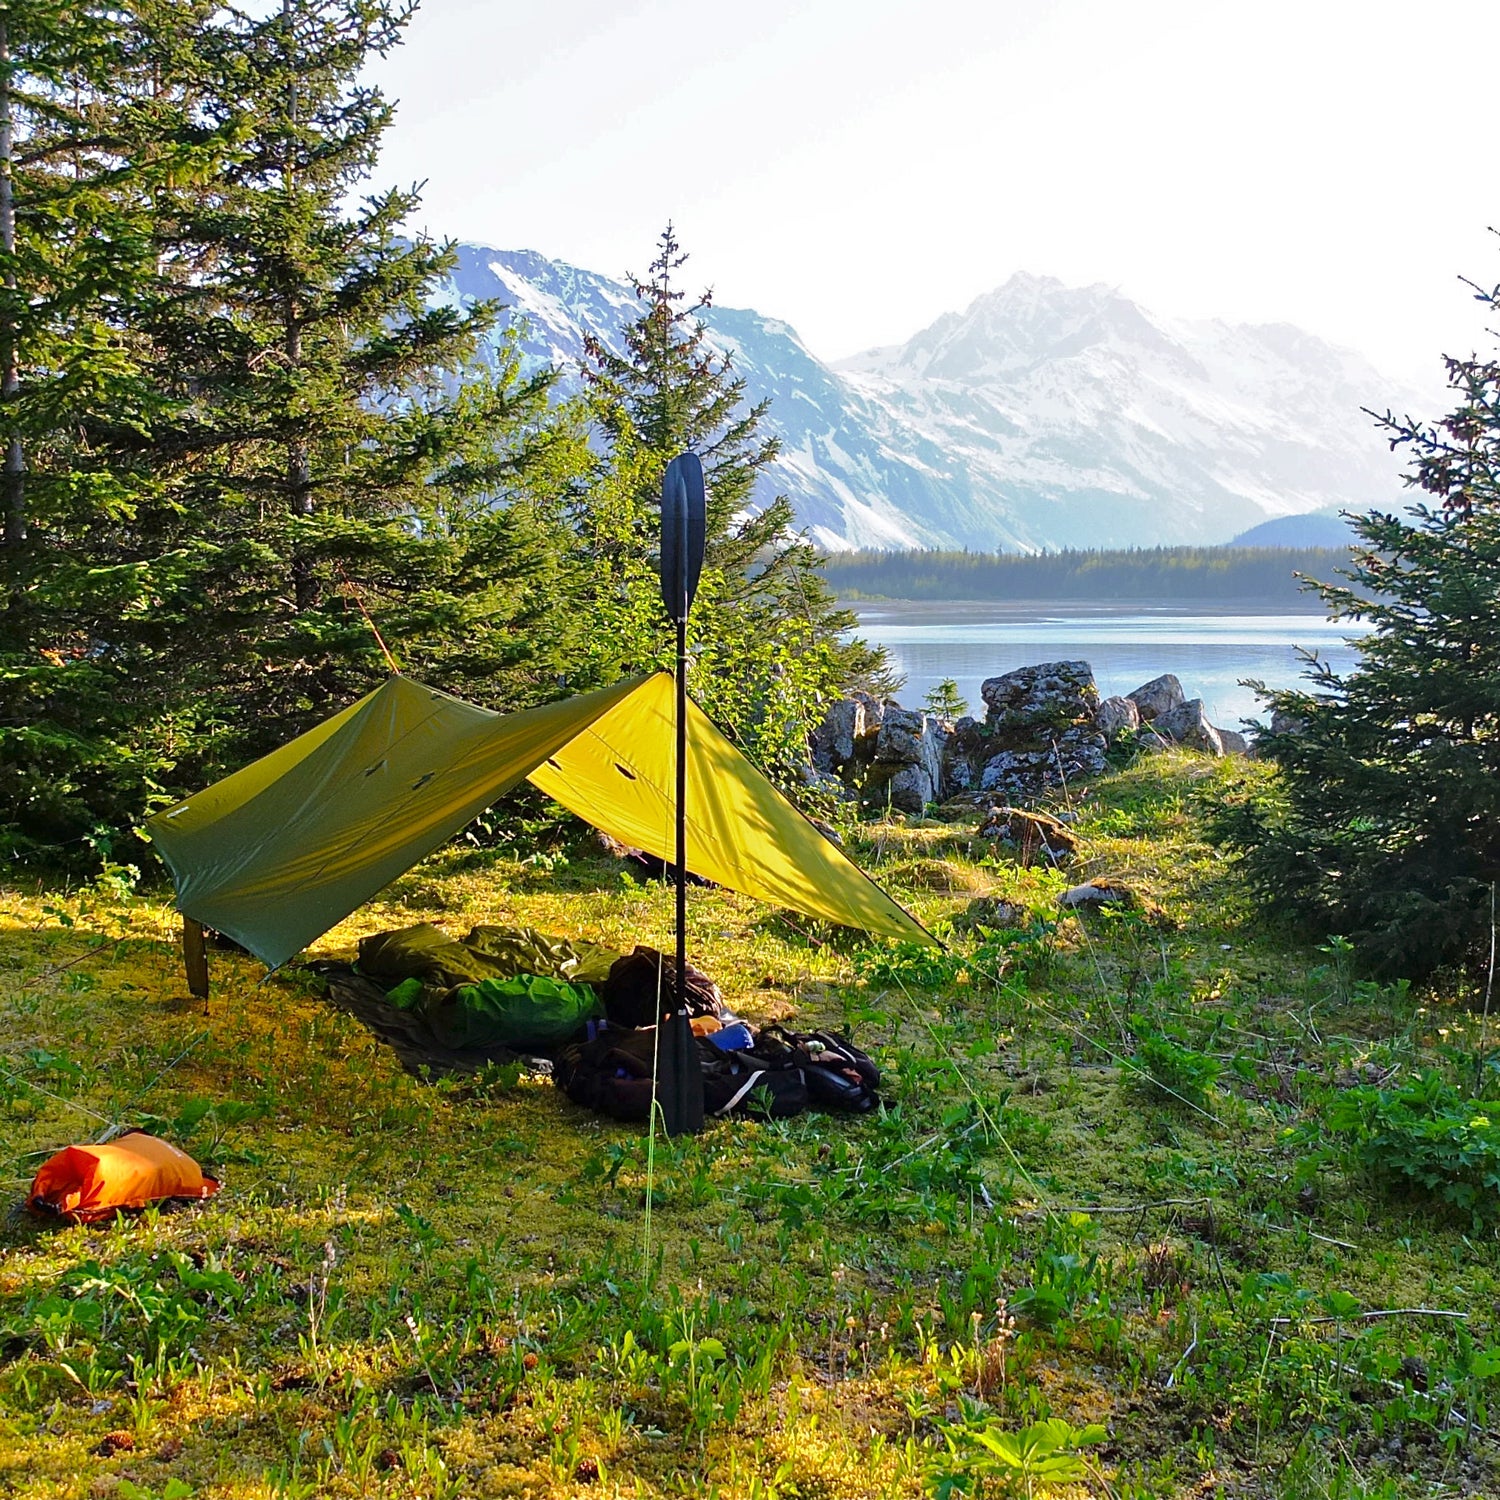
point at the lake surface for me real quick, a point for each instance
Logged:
(1126, 645)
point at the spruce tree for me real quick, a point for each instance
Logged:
(1386, 825)
(90, 129)
(296, 437)
(337, 426)
(767, 636)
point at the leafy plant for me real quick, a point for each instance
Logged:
(1422, 1135)
(1037, 1457)
(1173, 1069)
(1064, 1276)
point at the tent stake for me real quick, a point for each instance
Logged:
(195, 958)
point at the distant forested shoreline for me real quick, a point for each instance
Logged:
(1267, 575)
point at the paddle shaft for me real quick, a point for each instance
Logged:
(682, 811)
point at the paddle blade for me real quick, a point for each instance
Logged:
(684, 532)
(679, 1077)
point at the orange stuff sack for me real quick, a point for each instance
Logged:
(84, 1183)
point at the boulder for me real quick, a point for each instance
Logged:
(1149, 739)
(1115, 716)
(958, 773)
(1284, 723)
(907, 772)
(1062, 691)
(1095, 894)
(833, 740)
(1234, 742)
(908, 737)
(1187, 725)
(1160, 695)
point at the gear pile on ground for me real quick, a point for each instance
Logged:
(587, 1015)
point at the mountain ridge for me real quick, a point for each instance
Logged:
(1041, 416)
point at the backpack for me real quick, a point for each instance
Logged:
(611, 1074)
(642, 986)
(837, 1073)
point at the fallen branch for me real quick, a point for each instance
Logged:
(1322, 1238)
(1381, 1312)
(1122, 1208)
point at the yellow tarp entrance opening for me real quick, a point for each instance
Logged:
(281, 851)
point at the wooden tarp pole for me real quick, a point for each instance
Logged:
(195, 958)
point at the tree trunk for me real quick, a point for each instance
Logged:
(13, 530)
(298, 467)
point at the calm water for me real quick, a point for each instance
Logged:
(1126, 646)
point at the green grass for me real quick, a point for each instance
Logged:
(1091, 1199)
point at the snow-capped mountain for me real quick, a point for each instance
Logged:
(1044, 416)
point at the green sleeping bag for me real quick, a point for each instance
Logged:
(529, 1010)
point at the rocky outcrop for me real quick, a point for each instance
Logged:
(1044, 726)
(1038, 731)
(1188, 725)
(1159, 696)
(886, 755)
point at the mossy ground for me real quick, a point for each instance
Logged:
(410, 1289)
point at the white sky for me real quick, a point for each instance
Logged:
(857, 167)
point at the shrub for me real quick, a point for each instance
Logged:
(1172, 1069)
(1422, 1137)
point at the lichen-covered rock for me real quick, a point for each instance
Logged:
(1115, 716)
(1148, 739)
(1060, 691)
(1234, 742)
(1285, 723)
(1094, 894)
(1188, 725)
(1159, 696)
(1029, 833)
(1038, 732)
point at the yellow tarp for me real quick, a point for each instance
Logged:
(619, 774)
(278, 853)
